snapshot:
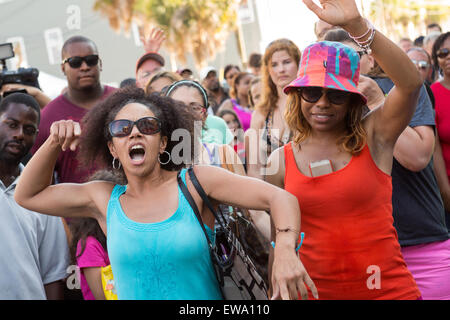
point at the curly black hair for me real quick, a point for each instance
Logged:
(172, 114)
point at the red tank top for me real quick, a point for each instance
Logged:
(350, 249)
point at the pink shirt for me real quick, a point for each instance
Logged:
(93, 256)
(244, 115)
(442, 97)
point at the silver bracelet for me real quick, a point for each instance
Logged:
(367, 43)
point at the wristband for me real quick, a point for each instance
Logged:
(302, 236)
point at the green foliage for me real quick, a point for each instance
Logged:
(197, 26)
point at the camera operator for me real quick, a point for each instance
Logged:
(36, 93)
(21, 80)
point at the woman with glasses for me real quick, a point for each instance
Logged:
(339, 163)
(441, 91)
(156, 245)
(192, 94)
(419, 216)
(195, 97)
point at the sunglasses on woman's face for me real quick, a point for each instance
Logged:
(122, 128)
(76, 62)
(442, 53)
(313, 94)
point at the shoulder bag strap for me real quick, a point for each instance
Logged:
(194, 207)
(205, 198)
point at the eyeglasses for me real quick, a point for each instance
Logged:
(76, 62)
(442, 53)
(313, 94)
(422, 64)
(197, 107)
(122, 128)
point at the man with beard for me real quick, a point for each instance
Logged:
(34, 250)
(81, 66)
(211, 83)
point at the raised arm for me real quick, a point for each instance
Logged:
(36, 93)
(34, 190)
(387, 122)
(288, 273)
(154, 41)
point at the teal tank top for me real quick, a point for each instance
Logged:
(167, 260)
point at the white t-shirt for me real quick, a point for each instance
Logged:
(33, 249)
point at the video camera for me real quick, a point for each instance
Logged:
(26, 76)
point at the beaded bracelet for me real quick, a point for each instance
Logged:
(367, 43)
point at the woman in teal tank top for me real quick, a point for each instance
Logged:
(166, 260)
(156, 247)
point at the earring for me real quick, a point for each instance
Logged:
(159, 158)
(114, 164)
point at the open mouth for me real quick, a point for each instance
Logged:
(137, 154)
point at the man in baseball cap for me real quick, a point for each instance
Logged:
(147, 64)
(186, 73)
(210, 80)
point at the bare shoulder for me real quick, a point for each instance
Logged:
(226, 105)
(258, 119)
(100, 192)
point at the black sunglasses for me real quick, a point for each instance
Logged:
(76, 62)
(313, 94)
(122, 128)
(442, 53)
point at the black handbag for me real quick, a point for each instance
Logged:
(236, 273)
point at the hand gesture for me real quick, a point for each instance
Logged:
(154, 41)
(289, 277)
(335, 12)
(16, 86)
(368, 87)
(65, 133)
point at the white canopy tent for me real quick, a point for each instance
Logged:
(51, 85)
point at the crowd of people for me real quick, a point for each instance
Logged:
(346, 141)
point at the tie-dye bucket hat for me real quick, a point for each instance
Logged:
(330, 65)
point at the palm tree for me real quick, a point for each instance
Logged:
(200, 27)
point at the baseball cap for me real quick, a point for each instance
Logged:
(330, 65)
(150, 56)
(183, 69)
(205, 71)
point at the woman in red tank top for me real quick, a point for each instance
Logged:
(339, 163)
